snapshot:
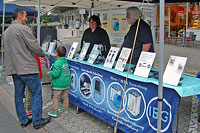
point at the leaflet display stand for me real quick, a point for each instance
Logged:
(144, 64)
(174, 70)
(72, 50)
(84, 51)
(52, 47)
(94, 54)
(121, 62)
(110, 59)
(45, 46)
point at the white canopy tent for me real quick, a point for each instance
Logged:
(71, 3)
(89, 4)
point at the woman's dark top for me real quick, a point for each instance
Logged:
(99, 36)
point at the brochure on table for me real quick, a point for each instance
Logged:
(84, 51)
(121, 62)
(52, 46)
(94, 54)
(110, 59)
(144, 64)
(72, 50)
(174, 70)
(45, 46)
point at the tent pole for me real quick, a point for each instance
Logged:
(169, 18)
(2, 38)
(186, 27)
(38, 23)
(161, 62)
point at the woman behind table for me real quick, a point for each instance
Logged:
(96, 35)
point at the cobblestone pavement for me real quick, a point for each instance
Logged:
(86, 123)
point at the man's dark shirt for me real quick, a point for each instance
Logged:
(144, 36)
(99, 36)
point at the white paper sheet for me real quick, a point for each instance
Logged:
(144, 64)
(174, 70)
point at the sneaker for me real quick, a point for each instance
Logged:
(29, 113)
(63, 111)
(53, 114)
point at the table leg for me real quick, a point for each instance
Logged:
(77, 109)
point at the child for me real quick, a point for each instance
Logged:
(60, 79)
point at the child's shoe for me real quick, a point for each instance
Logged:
(53, 114)
(63, 111)
(29, 113)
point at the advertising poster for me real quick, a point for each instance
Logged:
(174, 70)
(94, 54)
(103, 15)
(194, 15)
(110, 59)
(144, 64)
(72, 50)
(99, 92)
(116, 23)
(123, 58)
(84, 50)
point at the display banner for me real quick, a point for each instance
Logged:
(99, 92)
(115, 22)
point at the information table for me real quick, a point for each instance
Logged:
(98, 90)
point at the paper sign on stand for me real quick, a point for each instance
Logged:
(94, 54)
(52, 46)
(110, 59)
(45, 46)
(174, 70)
(72, 50)
(144, 64)
(121, 62)
(84, 51)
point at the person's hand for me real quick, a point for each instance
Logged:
(47, 73)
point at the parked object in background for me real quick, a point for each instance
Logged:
(191, 38)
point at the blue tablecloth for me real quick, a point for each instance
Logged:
(190, 85)
(98, 90)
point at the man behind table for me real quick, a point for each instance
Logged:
(144, 41)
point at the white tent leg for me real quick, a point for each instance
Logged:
(38, 23)
(161, 62)
(2, 37)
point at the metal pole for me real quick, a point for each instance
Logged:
(82, 23)
(169, 14)
(161, 62)
(186, 27)
(38, 23)
(2, 38)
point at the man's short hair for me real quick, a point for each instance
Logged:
(16, 12)
(135, 12)
(61, 51)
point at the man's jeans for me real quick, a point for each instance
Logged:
(33, 83)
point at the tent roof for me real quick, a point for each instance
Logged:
(87, 3)
(71, 3)
(166, 1)
(9, 8)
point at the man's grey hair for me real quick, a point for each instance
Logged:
(135, 12)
